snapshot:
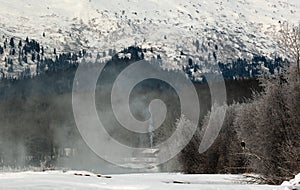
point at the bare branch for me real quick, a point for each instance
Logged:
(289, 41)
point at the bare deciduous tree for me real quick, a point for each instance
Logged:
(269, 125)
(289, 40)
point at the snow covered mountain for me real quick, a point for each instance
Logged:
(206, 32)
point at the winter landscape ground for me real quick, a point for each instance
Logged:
(158, 181)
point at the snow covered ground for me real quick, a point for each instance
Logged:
(292, 184)
(85, 180)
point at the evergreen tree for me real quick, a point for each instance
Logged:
(37, 47)
(38, 57)
(98, 56)
(10, 61)
(25, 59)
(197, 44)
(13, 52)
(10, 69)
(33, 57)
(20, 43)
(42, 49)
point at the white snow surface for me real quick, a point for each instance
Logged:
(59, 180)
(293, 184)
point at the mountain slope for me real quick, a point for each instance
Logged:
(206, 32)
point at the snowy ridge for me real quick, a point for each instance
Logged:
(206, 32)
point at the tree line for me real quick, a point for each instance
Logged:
(262, 134)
